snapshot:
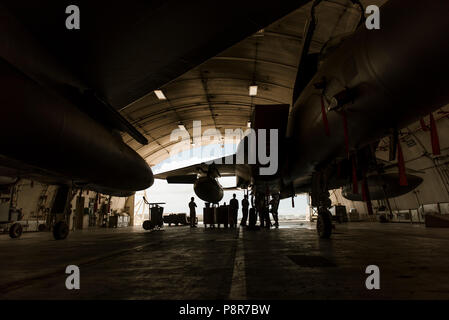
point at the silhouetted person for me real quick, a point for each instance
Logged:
(260, 209)
(234, 207)
(245, 207)
(266, 217)
(252, 216)
(274, 209)
(192, 206)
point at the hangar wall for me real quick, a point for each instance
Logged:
(28, 196)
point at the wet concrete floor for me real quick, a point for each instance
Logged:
(183, 263)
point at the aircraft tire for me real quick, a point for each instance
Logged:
(15, 231)
(147, 225)
(324, 225)
(60, 230)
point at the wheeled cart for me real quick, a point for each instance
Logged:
(156, 221)
(210, 216)
(224, 216)
(176, 219)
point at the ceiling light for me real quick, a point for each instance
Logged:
(259, 33)
(182, 126)
(253, 91)
(248, 124)
(160, 95)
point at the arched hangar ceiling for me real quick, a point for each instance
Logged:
(216, 92)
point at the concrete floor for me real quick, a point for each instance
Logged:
(180, 263)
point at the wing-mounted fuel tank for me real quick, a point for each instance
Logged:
(208, 189)
(382, 186)
(204, 179)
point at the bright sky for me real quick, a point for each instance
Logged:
(177, 196)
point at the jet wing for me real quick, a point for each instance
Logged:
(225, 167)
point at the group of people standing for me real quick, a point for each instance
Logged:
(249, 216)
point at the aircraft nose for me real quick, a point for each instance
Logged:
(149, 177)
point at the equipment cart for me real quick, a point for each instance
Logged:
(156, 221)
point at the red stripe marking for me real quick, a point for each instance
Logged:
(424, 127)
(355, 186)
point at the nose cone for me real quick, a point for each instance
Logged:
(134, 173)
(149, 178)
(143, 176)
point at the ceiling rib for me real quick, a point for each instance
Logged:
(173, 142)
(198, 104)
(187, 120)
(265, 83)
(251, 60)
(151, 137)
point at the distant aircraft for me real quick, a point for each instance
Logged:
(355, 92)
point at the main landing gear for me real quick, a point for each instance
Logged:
(320, 199)
(15, 231)
(324, 224)
(60, 230)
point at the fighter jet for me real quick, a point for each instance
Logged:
(356, 91)
(61, 88)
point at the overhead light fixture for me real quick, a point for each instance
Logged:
(160, 95)
(248, 124)
(259, 33)
(182, 126)
(253, 91)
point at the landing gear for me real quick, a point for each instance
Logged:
(60, 211)
(324, 224)
(147, 225)
(320, 199)
(60, 230)
(262, 208)
(15, 231)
